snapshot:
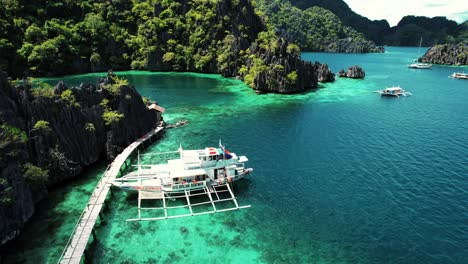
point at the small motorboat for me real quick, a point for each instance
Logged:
(420, 66)
(459, 75)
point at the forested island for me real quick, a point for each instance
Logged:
(408, 32)
(43, 38)
(449, 54)
(315, 28)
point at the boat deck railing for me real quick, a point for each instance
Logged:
(189, 185)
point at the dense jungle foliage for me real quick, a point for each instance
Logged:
(408, 32)
(42, 37)
(312, 29)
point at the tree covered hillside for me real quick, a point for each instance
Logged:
(75, 36)
(372, 29)
(315, 28)
(410, 29)
(433, 31)
(39, 37)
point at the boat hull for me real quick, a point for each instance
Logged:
(157, 185)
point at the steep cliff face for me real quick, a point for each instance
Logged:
(48, 135)
(278, 68)
(16, 202)
(449, 54)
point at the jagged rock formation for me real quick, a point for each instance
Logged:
(350, 45)
(354, 72)
(324, 74)
(276, 62)
(342, 73)
(449, 54)
(48, 135)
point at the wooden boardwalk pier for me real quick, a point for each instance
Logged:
(76, 245)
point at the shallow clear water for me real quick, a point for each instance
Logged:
(341, 175)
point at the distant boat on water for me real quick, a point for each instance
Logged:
(419, 65)
(395, 91)
(459, 75)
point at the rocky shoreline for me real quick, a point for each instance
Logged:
(447, 54)
(52, 135)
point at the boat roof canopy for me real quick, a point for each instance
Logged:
(393, 88)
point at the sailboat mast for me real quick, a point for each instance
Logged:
(420, 43)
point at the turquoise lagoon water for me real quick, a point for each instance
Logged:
(341, 175)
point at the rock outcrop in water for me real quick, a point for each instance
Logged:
(448, 54)
(49, 135)
(324, 74)
(354, 72)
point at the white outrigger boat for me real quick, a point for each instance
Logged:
(459, 75)
(194, 169)
(207, 172)
(395, 91)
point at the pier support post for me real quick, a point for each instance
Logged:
(94, 234)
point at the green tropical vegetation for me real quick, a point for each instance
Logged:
(42, 125)
(10, 137)
(114, 86)
(433, 31)
(35, 175)
(55, 38)
(68, 97)
(111, 116)
(90, 127)
(407, 32)
(314, 28)
(49, 38)
(5, 192)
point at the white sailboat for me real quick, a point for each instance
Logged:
(419, 65)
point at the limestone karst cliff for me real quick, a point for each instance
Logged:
(48, 135)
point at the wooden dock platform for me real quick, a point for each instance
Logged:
(76, 245)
